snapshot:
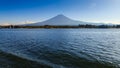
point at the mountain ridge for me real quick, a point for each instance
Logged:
(60, 20)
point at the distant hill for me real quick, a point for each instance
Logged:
(61, 20)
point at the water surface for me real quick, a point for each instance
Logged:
(60, 48)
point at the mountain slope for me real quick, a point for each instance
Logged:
(59, 20)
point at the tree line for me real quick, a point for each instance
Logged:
(63, 26)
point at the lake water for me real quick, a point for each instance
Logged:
(59, 48)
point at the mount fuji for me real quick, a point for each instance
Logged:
(60, 20)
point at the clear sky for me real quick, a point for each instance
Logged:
(21, 11)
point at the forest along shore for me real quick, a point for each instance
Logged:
(63, 26)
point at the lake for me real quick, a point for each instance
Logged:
(59, 48)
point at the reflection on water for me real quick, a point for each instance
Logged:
(59, 48)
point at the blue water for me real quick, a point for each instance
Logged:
(59, 48)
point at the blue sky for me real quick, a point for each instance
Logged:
(29, 11)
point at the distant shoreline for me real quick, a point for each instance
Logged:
(61, 26)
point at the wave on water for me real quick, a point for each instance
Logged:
(8, 60)
(59, 48)
(68, 61)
